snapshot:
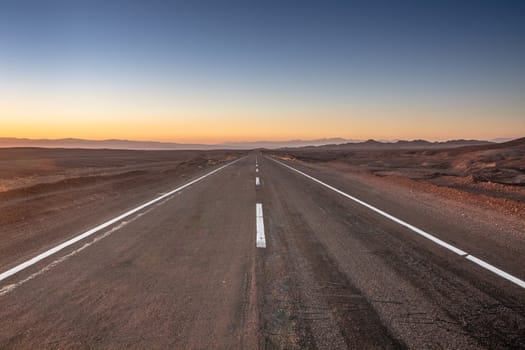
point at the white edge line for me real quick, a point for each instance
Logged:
(94, 230)
(497, 271)
(257, 181)
(434, 239)
(10, 287)
(379, 211)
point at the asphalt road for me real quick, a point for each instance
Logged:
(185, 273)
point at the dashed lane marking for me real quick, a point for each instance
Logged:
(259, 220)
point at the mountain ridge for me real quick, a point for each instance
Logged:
(6, 142)
(336, 142)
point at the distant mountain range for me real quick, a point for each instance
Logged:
(291, 143)
(402, 144)
(99, 144)
(154, 145)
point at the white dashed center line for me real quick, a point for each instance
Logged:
(260, 238)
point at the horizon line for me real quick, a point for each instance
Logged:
(343, 139)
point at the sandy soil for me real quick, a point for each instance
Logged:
(25, 167)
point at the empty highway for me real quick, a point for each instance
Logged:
(265, 253)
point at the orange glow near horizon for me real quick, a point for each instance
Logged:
(216, 119)
(237, 129)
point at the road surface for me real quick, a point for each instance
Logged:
(257, 255)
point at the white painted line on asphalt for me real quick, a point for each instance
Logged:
(256, 170)
(495, 270)
(11, 287)
(260, 241)
(94, 230)
(257, 181)
(379, 211)
(419, 231)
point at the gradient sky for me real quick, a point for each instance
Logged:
(214, 71)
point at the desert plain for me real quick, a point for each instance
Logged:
(186, 272)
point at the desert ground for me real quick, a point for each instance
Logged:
(490, 176)
(46, 194)
(185, 272)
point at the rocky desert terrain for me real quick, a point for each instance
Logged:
(490, 175)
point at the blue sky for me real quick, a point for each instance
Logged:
(410, 66)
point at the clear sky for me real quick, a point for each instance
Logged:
(214, 71)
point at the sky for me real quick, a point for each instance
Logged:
(218, 71)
